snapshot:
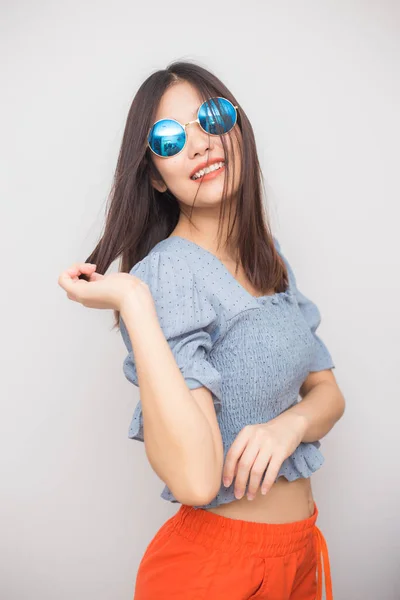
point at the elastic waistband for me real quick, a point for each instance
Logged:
(258, 539)
(265, 540)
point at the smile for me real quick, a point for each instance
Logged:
(209, 172)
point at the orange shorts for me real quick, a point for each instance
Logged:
(199, 555)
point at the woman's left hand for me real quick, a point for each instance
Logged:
(261, 445)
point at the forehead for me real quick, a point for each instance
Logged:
(181, 102)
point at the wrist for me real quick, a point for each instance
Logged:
(136, 300)
(294, 418)
(300, 420)
(139, 314)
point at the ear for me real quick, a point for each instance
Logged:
(159, 185)
(155, 178)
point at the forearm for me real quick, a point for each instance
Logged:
(178, 437)
(320, 409)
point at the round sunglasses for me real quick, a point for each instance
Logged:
(216, 116)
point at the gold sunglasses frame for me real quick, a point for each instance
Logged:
(189, 123)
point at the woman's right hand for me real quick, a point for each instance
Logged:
(101, 291)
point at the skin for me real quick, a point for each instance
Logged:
(285, 501)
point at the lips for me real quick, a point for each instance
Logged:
(206, 164)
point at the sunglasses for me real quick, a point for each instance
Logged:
(216, 116)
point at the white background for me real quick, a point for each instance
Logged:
(320, 83)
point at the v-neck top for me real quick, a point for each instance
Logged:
(252, 352)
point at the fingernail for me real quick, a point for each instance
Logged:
(227, 482)
(250, 497)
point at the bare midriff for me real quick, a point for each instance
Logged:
(286, 502)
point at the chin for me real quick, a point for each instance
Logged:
(208, 199)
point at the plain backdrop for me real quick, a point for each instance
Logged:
(320, 83)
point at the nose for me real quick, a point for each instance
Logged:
(198, 141)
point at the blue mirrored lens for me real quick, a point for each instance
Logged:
(167, 137)
(217, 116)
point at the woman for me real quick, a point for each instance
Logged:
(221, 342)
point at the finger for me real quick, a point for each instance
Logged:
(96, 277)
(76, 269)
(272, 472)
(257, 471)
(246, 463)
(71, 284)
(233, 455)
(65, 281)
(72, 273)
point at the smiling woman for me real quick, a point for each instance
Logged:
(176, 147)
(220, 342)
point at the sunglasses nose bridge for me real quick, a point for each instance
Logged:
(194, 121)
(199, 124)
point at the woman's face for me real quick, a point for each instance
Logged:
(181, 102)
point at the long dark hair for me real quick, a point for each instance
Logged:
(138, 216)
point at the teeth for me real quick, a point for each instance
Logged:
(209, 169)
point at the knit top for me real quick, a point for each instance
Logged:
(253, 353)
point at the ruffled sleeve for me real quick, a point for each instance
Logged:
(188, 320)
(322, 358)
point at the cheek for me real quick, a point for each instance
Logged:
(170, 169)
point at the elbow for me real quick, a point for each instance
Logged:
(195, 495)
(190, 499)
(208, 495)
(184, 489)
(342, 406)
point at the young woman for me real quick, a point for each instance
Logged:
(221, 343)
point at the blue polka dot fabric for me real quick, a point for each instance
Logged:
(252, 353)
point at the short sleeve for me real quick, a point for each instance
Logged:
(322, 358)
(188, 320)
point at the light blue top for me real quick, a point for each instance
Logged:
(252, 353)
